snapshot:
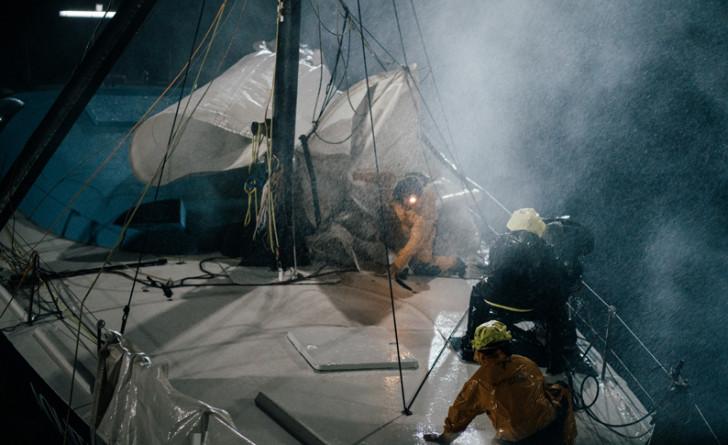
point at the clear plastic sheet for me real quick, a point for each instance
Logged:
(343, 153)
(135, 404)
(511, 391)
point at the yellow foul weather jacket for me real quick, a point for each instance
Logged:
(512, 393)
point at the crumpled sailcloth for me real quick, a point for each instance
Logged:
(215, 119)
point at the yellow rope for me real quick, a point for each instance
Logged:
(508, 308)
(252, 204)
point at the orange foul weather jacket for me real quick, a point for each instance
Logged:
(418, 225)
(511, 392)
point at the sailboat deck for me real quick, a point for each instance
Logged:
(226, 345)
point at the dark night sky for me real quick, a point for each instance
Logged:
(615, 113)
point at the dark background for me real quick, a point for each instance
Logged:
(614, 113)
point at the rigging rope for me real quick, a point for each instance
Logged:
(438, 96)
(399, 31)
(362, 30)
(381, 214)
(127, 307)
(467, 182)
(16, 260)
(446, 343)
(130, 217)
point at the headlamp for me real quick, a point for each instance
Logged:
(412, 200)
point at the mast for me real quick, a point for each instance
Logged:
(285, 93)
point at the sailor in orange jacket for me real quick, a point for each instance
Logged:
(412, 227)
(510, 390)
(415, 204)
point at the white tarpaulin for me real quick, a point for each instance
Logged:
(217, 137)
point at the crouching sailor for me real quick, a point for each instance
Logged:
(533, 269)
(510, 390)
(415, 204)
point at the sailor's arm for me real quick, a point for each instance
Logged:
(465, 408)
(420, 233)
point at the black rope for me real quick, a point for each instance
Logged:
(312, 177)
(168, 285)
(381, 213)
(12, 297)
(321, 71)
(399, 30)
(376, 430)
(373, 37)
(438, 96)
(437, 359)
(127, 307)
(412, 83)
(164, 161)
(331, 88)
(317, 13)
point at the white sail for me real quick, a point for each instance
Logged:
(216, 118)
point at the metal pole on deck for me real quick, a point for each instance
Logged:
(285, 93)
(70, 103)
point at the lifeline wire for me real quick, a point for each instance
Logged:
(399, 30)
(639, 340)
(611, 427)
(381, 213)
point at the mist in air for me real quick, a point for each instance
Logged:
(615, 113)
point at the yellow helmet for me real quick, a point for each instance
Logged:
(527, 219)
(490, 332)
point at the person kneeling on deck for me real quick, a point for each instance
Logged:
(411, 225)
(532, 271)
(415, 204)
(511, 391)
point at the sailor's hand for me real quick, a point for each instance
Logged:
(439, 437)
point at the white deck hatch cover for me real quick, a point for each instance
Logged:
(328, 348)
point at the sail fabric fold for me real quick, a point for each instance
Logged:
(212, 127)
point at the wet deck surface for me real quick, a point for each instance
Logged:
(225, 345)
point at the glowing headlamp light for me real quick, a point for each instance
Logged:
(412, 200)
